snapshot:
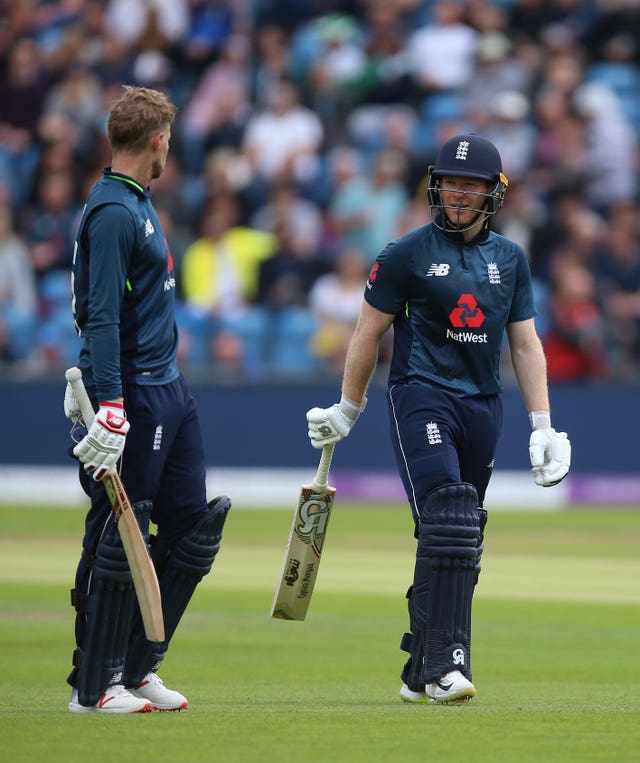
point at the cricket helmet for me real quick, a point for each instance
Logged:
(474, 157)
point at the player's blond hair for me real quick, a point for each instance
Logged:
(136, 116)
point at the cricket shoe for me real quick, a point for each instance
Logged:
(154, 691)
(407, 695)
(116, 699)
(453, 687)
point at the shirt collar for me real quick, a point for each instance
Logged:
(107, 172)
(458, 237)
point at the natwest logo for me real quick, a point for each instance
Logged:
(467, 313)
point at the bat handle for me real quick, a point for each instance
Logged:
(322, 475)
(74, 377)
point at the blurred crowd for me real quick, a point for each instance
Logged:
(304, 132)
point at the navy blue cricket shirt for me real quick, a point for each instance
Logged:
(452, 301)
(123, 290)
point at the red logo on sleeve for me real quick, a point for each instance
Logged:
(169, 257)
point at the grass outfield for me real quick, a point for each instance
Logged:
(556, 636)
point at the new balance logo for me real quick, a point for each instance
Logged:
(149, 230)
(436, 269)
(493, 272)
(462, 150)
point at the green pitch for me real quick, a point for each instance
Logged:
(555, 648)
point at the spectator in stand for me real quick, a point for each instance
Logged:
(226, 172)
(613, 20)
(335, 300)
(441, 54)
(285, 279)
(157, 24)
(210, 23)
(113, 64)
(559, 153)
(23, 90)
(50, 228)
(17, 293)
(59, 153)
(327, 54)
(619, 69)
(286, 323)
(77, 97)
(509, 129)
(283, 141)
(617, 270)
(50, 231)
(219, 106)
(610, 142)
(551, 230)
(384, 78)
(220, 275)
(365, 209)
(302, 218)
(496, 71)
(575, 340)
(561, 69)
(271, 62)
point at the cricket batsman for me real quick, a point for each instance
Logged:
(450, 289)
(123, 294)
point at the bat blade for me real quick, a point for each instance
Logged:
(304, 547)
(143, 573)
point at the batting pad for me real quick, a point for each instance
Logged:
(111, 603)
(446, 561)
(179, 572)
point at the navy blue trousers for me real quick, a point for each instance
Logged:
(163, 461)
(439, 439)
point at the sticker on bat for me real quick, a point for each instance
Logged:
(314, 514)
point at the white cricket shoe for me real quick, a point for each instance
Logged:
(153, 689)
(453, 687)
(406, 695)
(116, 699)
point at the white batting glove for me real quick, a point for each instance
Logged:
(330, 425)
(103, 444)
(71, 407)
(549, 451)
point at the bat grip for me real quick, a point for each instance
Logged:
(322, 475)
(74, 377)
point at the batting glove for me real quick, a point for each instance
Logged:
(549, 451)
(71, 407)
(103, 444)
(330, 425)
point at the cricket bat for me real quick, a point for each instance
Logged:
(304, 548)
(143, 573)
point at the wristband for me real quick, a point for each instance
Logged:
(111, 404)
(540, 420)
(350, 409)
